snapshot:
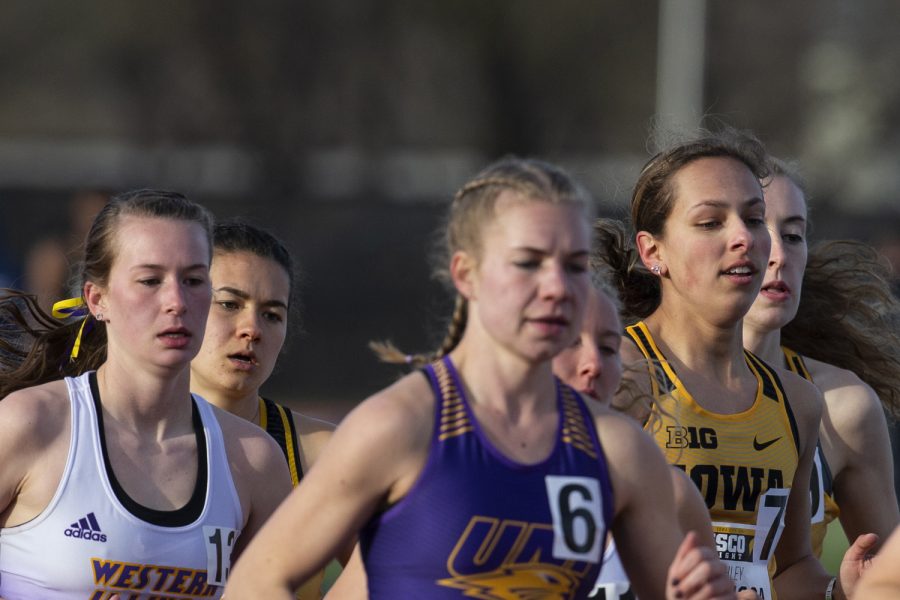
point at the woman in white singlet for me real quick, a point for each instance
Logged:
(116, 480)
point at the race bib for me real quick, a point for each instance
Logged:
(747, 549)
(577, 509)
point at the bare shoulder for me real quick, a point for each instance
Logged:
(805, 398)
(624, 443)
(313, 434)
(848, 399)
(635, 464)
(635, 395)
(35, 415)
(34, 438)
(629, 351)
(311, 426)
(381, 446)
(247, 445)
(401, 414)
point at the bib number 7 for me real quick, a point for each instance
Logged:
(577, 509)
(770, 523)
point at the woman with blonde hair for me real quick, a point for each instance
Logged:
(481, 475)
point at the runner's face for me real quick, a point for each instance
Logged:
(777, 302)
(157, 297)
(247, 323)
(715, 244)
(592, 364)
(530, 286)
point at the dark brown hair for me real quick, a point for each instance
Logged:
(651, 204)
(34, 346)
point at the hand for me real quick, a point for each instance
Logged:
(696, 573)
(856, 560)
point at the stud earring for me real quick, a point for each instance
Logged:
(99, 316)
(656, 269)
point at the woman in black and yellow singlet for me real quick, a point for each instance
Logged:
(853, 465)
(252, 277)
(743, 432)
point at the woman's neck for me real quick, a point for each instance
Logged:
(701, 346)
(244, 404)
(504, 380)
(152, 403)
(764, 344)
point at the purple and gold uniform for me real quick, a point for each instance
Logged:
(479, 525)
(821, 488)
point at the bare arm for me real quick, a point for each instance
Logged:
(351, 584)
(799, 574)
(856, 444)
(35, 431)
(259, 472)
(644, 510)
(313, 435)
(341, 492)
(693, 515)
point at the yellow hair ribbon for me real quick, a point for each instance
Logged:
(69, 308)
(73, 307)
(77, 345)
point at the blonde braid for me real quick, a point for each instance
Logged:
(456, 327)
(483, 182)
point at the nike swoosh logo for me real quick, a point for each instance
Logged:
(758, 447)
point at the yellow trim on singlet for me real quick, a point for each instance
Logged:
(288, 437)
(817, 529)
(735, 459)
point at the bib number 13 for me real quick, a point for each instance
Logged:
(219, 544)
(577, 509)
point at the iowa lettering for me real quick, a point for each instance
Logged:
(740, 485)
(164, 582)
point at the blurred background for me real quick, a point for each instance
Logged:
(345, 127)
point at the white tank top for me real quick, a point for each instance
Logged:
(612, 584)
(92, 540)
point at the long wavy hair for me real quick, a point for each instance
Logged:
(849, 317)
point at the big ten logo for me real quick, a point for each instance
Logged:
(692, 437)
(734, 546)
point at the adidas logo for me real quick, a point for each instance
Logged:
(86, 528)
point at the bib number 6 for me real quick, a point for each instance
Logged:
(577, 509)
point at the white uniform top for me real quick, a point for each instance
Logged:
(612, 584)
(92, 540)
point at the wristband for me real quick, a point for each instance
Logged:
(830, 589)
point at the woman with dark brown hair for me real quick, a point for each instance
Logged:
(115, 479)
(743, 431)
